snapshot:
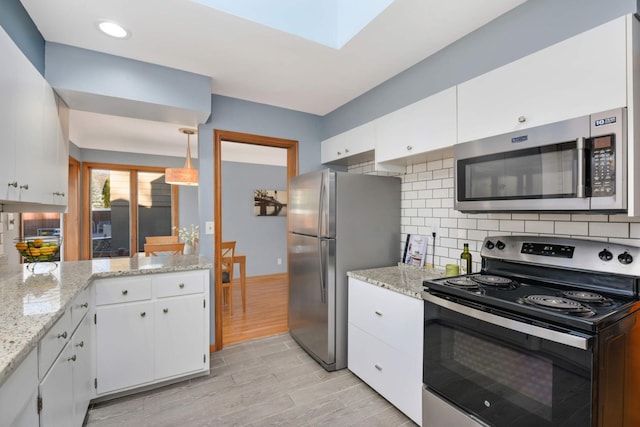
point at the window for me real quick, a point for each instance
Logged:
(125, 204)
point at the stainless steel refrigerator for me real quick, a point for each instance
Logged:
(338, 222)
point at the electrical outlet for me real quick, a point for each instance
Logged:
(208, 227)
(279, 261)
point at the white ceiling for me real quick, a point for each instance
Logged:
(250, 61)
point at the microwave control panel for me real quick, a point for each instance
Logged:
(603, 166)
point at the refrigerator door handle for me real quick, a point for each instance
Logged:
(321, 260)
(323, 189)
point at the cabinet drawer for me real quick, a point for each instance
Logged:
(396, 376)
(175, 284)
(122, 289)
(52, 343)
(390, 316)
(80, 307)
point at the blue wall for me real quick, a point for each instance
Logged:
(262, 239)
(258, 119)
(18, 24)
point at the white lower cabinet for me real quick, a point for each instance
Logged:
(19, 395)
(385, 344)
(151, 329)
(66, 375)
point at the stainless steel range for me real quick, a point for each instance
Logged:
(547, 334)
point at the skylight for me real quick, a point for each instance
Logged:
(329, 22)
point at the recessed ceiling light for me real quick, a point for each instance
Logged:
(114, 30)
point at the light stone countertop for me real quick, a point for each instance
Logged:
(31, 303)
(405, 279)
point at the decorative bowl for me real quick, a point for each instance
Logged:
(39, 249)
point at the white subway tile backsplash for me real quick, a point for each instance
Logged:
(427, 198)
(555, 217)
(510, 225)
(488, 224)
(539, 226)
(525, 216)
(572, 228)
(607, 229)
(436, 164)
(441, 173)
(441, 193)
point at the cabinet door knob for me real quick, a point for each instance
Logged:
(522, 119)
(379, 313)
(85, 305)
(63, 335)
(13, 184)
(378, 367)
(142, 314)
(80, 344)
(165, 310)
(346, 150)
(72, 358)
(409, 148)
(339, 153)
(124, 292)
(181, 285)
(25, 187)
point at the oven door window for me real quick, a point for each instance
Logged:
(531, 173)
(505, 377)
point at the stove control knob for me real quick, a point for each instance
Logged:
(605, 255)
(489, 244)
(625, 258)
(500, 245)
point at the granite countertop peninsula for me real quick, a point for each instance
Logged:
(403, 278)
(31, 303)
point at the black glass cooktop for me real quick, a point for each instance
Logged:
(565, 306)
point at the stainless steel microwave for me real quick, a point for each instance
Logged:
(576, 165)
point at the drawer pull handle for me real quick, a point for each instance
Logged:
(13, 184)
(165, 310)
(63, 335)
(124, 292)
(72, 358)
(379, 313)
(85, 305)
(181, 285)
(58, 193)
(378, 367)
(142, 314)
(80, 344)
(25, 187)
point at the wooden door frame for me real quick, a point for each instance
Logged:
(292, 170)
(71, 219)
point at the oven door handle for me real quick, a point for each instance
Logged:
(582, 342)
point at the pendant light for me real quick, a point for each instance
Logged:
(186, 175)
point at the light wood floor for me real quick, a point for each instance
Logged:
(267, 309)
(264, 382)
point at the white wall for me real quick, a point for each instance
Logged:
(427, 199)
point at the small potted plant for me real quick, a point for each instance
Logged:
(189, 235)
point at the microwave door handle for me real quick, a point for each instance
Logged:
(580, 189)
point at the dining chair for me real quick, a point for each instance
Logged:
(227, 250)
(155, 248)
(161, 239)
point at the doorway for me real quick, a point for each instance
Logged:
(292, 170)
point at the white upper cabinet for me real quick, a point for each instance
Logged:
(349, 147)
(426, 125)
(584, 74)
(30, 161)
